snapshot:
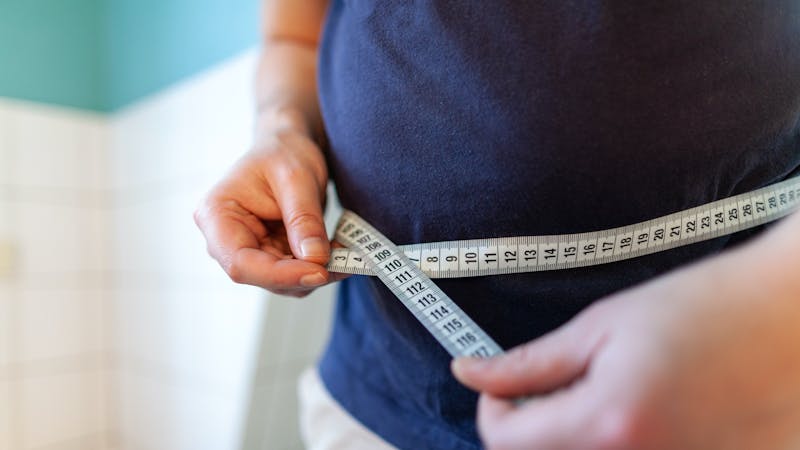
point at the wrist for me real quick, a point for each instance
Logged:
(274, 119)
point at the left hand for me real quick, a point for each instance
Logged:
(707, 357)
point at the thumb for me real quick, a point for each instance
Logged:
(538, 367)
(300, 201)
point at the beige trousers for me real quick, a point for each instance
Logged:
(324, 425)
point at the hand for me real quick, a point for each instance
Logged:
(706, 357)
(263, 222)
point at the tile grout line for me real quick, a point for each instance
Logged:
(93, 361)
(6, 154)
(113, 284)
(17, 409)
(12, 199)
(92, 437)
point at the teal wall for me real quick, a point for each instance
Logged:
(102, 55)
(153, 43)
(50, 51)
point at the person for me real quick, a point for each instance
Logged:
(442, 120)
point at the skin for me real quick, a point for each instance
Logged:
(263, 221)
(704, 357)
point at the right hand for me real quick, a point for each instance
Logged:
(263, 222)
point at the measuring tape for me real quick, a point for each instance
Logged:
(451, 326)
(407, 270)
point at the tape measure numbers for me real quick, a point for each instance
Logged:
(481, 257)
(407, 270)
(451, 326)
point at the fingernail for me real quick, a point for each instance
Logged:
(312, 280)
(312, 247)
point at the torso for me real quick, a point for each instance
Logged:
(460, 120)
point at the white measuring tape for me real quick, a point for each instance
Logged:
(407, 270)
(451, 326)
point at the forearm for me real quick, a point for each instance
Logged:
(764, 287)
(775, 258)
(285, 85)
(286, 88)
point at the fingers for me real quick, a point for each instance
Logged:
(258, 268)
(558, 421)
(268, 208)
(540, 366)
(300, 199)
(234, 241)
(282, 276)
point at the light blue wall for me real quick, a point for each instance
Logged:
(50, 52)
(153, 43)
(105, 54)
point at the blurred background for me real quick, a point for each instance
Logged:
(117, 331)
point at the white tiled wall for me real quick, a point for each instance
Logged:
(60, 408)
(54, 306)
(197, 352)
(117, 331)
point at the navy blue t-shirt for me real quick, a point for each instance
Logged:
(475, 119)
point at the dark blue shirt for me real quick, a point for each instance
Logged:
(470, 119)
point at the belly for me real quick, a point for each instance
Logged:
(547, 118)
